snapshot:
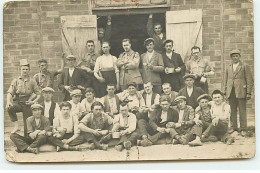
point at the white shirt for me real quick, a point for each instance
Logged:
(47, 106)
(180, 116)
(104, 62)
(112, 104)
(76, 109)
(70, 124)
(164, 116)
(87, 105)
(235, 66)
(148, 100)
(189, 91)
(169, 55)
(71, 71)
(149, 55)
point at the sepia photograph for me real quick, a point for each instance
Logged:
(128, 80)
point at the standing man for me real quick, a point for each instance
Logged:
(50, 108)
(190, 91)
(37, 134)
(104, 34)
(45, 78)
(201, 68)
(152, 66)
(155, 32)
(238, 86)
(20, 96)
(174, 67)
(87, 63)
(72, 78)
(128, 63)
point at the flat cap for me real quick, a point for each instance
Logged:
(24, 62)
(48, 89)
(132, 84)
(204, 96)
(179, 98)
(70, 57)
(36, 106)
(235, 51)
(189, 76)
(165, 97)
(167, 41)
(148, 39)
(76, 92)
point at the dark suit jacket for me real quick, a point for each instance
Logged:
(155, 118)
(241, 79)
(188, 115)
(192, 100)
(175, 79)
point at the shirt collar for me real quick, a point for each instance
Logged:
(199, 58)
(24, 79)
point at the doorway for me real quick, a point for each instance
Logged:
(132, 27)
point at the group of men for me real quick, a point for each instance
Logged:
(130, 100)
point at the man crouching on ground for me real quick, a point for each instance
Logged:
(94, 128)
(125, 123)
(220, 113)
(38, 128)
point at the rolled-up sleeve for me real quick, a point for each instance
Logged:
(12, 88)
(86, 119)
(97, 65)
(115, 64)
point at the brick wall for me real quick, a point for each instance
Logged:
(32, 30)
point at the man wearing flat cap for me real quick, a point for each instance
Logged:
(200, 67)
(77, 108)
(202, 121)
(185, 120)
(238, 85)
(174, 67)
(51, 109)
(152, 66)
(37, 133)
(72, 78)
(45, 78)
(20, 96)
(190, 91)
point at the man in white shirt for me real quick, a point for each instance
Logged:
(125, 123)
(76, 109)
(50, 108)
(89, 100)
(220, 113)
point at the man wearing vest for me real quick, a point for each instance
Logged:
(151, 100)
(50, 108)
(111, 101)
(190, 91)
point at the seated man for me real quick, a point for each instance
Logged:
(76, 108)
(190, 91)
(89, 100)
(65, 128)
(134, 99)
(125, 123)
(220, 113)
(151, 100)
(167, 90)
(160, 120)
(202, 121)
(94, 128)
(111, 101)
(185, 121)
(38, 128)
(50, 108)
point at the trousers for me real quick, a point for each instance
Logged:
(220, 131)
(58, 142)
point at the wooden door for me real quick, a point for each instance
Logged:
(76, 30)
(185, 29)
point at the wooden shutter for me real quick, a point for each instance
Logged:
(185, 29)
(76, 30)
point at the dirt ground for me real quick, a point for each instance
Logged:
(242, 148)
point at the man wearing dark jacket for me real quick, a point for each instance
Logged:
(174, 67)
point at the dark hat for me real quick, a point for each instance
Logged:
(235, 51)
(204, 96)
(167, 41)
(71, 57)
(48, 89)
(189, 76)
(179, 98)
(148, 39)
(132, 84)
(76, 92)
(165, 97)
(36, 106)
